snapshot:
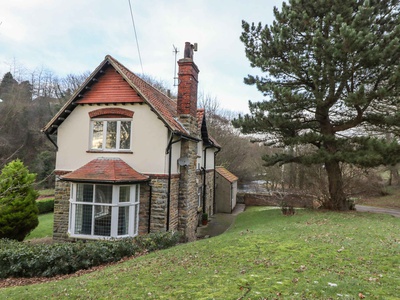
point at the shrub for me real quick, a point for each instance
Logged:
(30, 260)
(158, 240)
(45, 205)
(18, 209)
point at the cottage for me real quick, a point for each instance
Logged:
(226, 190)
(131, 160)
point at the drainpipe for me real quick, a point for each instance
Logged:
(50, 139)
(169, 152)
(150, 197)
(204, 177)
(230, 208)
(215, 158)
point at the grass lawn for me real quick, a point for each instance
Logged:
(44, 229)
(265, 255)
(46, 193)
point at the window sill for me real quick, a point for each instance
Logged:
(99, 237)
(110, 151)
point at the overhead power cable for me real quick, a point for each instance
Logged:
(134, 29)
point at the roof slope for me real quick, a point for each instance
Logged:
(107, 170)
(226, 174)
(202, 125)
(163, 106)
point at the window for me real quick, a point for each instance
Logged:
(104, 211)
(110, 134)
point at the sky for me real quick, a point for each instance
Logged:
(74, 36)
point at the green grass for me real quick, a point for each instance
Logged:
(265, 255)
(48, 192)
(44, 229)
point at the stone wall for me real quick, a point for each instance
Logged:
(159, 202)
(159, 185)
(61, 210)
(144, 208)
(174, 208)
(188, 199)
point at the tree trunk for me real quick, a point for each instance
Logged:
(337, 199)
(394, 176)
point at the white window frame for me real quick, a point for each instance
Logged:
(118, 137)
(133, 204)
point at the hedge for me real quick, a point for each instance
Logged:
(18, 259)
(45, 205)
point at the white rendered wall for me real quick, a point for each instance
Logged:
(148, 144)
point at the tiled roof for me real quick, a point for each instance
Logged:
(107, 170)
(200, 116)
(226, 174)
(203, 128)
(160, 104)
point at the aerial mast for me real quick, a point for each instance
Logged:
(175, 51)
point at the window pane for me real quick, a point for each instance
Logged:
(84, 193)
(97, 135)
(111, 137)
(102, 220)
(83, 219)
(103, 194)
(125, 135)
(123, 220)
(124, 193)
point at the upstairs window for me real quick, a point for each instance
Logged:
(110, 129)
(111, 134)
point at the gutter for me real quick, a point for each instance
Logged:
(51, 140)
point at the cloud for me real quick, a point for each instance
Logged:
(74, 36)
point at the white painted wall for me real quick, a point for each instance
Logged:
(200, 158)
(210, 158)
(149, 141)
(176, 154)
(200, 154)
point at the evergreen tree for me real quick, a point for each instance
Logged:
(332, 74)
(18, 209)
(7, 86)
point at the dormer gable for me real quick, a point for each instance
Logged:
(108, 87)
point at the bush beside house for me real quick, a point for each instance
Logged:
(18, 209)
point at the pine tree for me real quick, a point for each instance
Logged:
(7, 86)
(331, 74)
(18, 209)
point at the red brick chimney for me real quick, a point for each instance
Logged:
(188, 81)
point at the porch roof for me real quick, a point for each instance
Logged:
(106, 170)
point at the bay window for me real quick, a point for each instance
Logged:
(104, 211)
